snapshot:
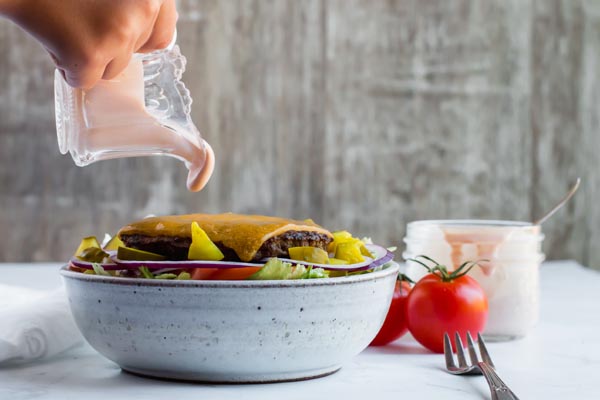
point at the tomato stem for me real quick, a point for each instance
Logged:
(442, 271)
(421, 263)
(403, 278)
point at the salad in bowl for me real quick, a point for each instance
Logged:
(229, 297)
(227, 247)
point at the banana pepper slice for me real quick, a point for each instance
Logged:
(202, 248)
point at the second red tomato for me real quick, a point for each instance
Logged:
(394, 325)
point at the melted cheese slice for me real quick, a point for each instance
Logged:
(244, 234)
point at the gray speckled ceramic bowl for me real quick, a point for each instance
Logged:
(230, 331)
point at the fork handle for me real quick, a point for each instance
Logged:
(498, 388)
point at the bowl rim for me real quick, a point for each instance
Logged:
(393, 268)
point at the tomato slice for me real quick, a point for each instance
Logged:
(223, 274)
(201, 274)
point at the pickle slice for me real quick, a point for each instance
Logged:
(93, 255)
(127, 253)
(309, 254)
(86, 243)
(114, 243)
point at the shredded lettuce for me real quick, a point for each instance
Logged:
(98, 270)
(275, 269)
(367, 240)
(165, 276)
(300, 272)
(184, 276)
(105, 241)
(146, 273)
(316, 273)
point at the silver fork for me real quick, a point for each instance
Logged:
(477, 366)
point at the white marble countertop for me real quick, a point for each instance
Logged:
(560, 359)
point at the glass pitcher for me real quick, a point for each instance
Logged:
(144, 111)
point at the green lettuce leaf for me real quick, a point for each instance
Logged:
(275, 269)
(165, 276)
(146, 273)
(184, 276)
(317, 273)
(98, 270)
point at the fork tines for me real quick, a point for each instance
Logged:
(483, 351)
(484, 366)
(448, 352)
(460, 351)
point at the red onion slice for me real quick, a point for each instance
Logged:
(158, 265)
(381, 254)
(126, 264)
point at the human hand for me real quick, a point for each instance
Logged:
(91, 40)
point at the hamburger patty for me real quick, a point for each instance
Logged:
(176, 248)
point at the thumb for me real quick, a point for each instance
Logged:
(83, 75)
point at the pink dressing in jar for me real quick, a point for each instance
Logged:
(509, 277)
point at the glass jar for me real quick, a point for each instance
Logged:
(510, 278)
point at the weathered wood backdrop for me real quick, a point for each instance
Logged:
(360, 114)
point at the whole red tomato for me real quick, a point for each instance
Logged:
(394, 325)
(445, 302)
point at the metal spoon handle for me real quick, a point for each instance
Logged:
(557, 207)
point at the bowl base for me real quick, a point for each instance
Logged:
(207, 377)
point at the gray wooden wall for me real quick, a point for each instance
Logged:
(361, 114)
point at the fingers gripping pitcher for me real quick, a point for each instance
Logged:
(143, 111)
